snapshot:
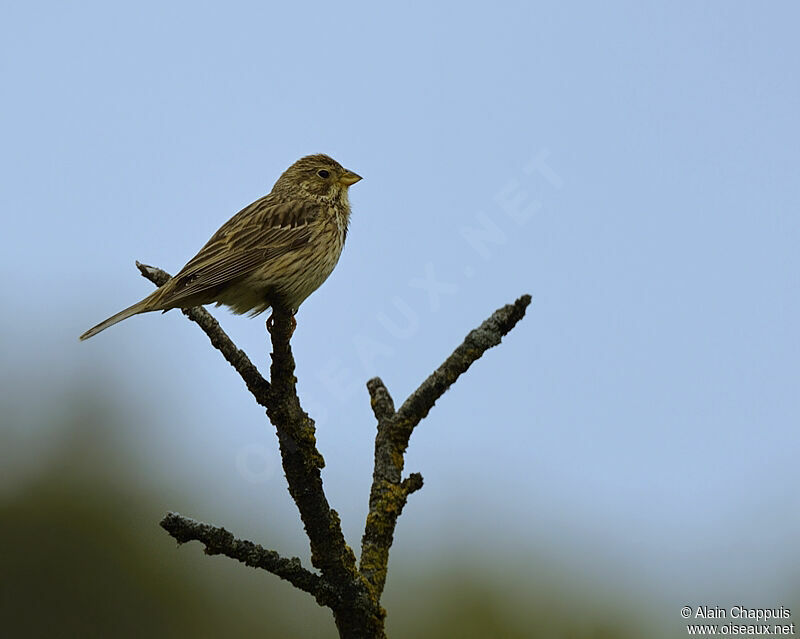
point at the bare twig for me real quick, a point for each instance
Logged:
(356, 611)
(219, 541)
(475, 344)
(383, 408)
(353, 594)
(388, 494)
(359, 615)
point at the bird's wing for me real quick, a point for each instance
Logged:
(259, 233)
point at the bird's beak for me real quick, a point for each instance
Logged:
(349, 178)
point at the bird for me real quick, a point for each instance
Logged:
(277, 250)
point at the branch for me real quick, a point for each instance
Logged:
(353, 594)
(383, 409)
(388, 494)
(475, 344)
(218, 541)
(355, 610)
(301, 459)
(302, 463)
(256, 384)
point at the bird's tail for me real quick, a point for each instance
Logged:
(140, 307)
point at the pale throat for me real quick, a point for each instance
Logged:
(343, 211)
(338, 201)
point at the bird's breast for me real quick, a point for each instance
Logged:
(303, 271)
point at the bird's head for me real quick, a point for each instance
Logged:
(317, 176)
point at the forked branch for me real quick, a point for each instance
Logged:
(352, 593)
(389, 494)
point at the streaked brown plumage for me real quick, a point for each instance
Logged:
(280, 248)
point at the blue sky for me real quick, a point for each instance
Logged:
(632, 166)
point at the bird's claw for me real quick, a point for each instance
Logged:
(270, 323)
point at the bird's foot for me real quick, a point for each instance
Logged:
(270, 323)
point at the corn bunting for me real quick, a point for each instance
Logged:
(277, 250)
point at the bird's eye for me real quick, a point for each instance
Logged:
(324, 174)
